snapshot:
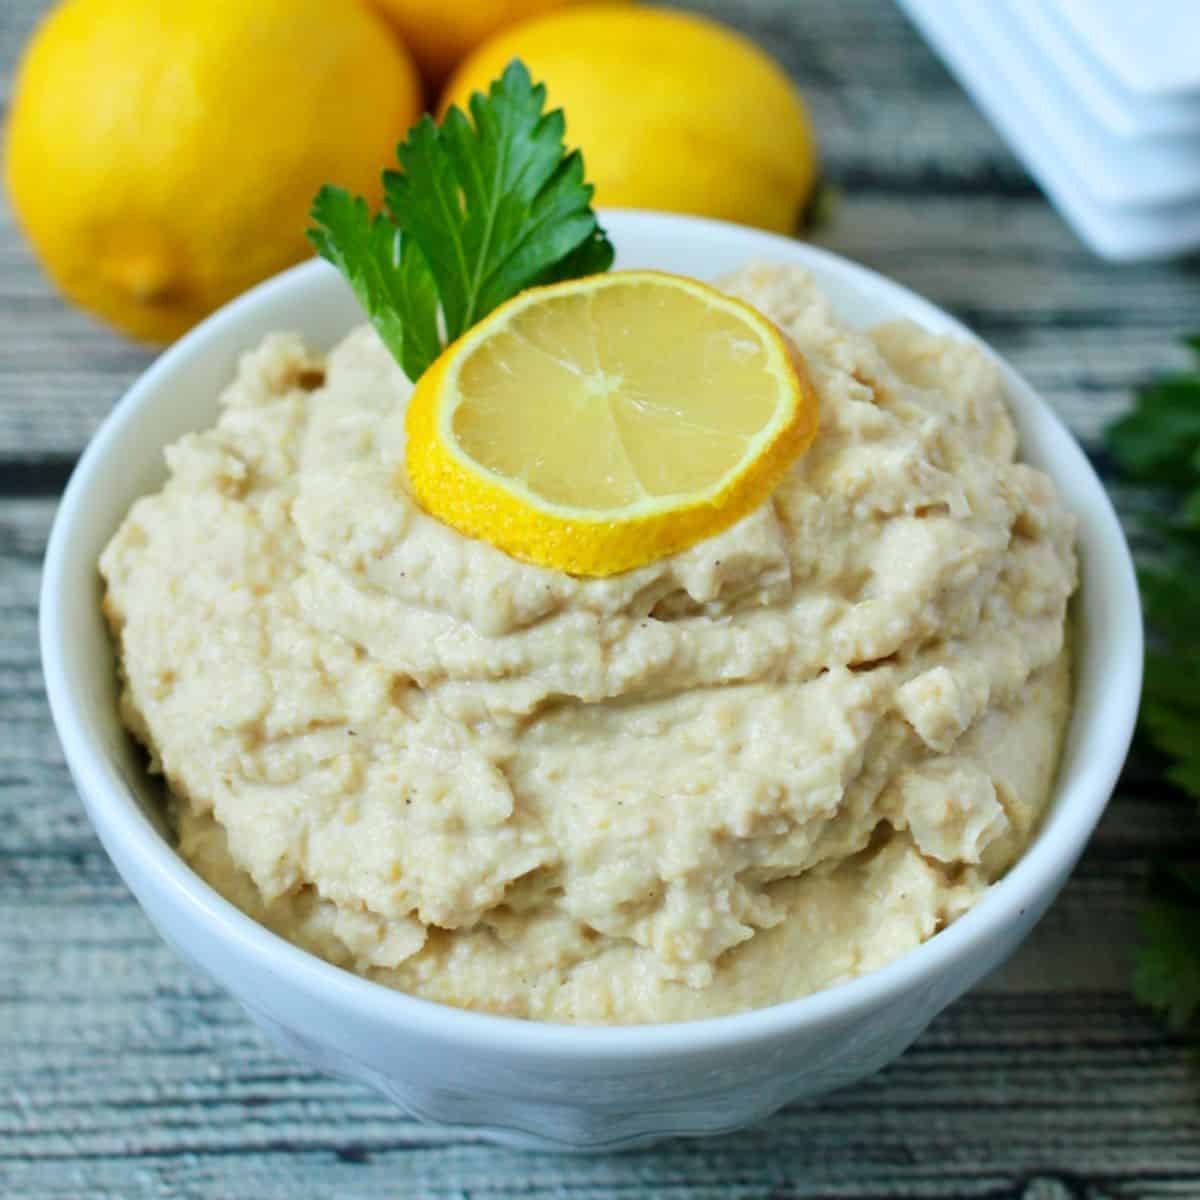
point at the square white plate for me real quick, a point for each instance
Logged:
(1120, 110)
(1151, 46)
(1116, 171)
(1114, 231)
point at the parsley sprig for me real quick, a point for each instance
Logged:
(1167, 970)
(1158, 444)
(482, 208)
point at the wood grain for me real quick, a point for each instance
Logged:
(123, 1074)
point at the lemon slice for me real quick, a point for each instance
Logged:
(600, 424)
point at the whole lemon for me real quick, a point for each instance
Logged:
(163, 154)
(672, 111)
(440, 33)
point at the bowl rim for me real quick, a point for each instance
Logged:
(115, 813)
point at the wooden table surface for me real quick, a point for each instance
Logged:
(125, 1074)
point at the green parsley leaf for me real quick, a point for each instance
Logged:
(1167, 973)
(387, 271)
(1158, 443)
(1159, 439)
(481, 209)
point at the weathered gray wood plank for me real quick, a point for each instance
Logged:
(123, 1074)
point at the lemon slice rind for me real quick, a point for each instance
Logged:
(500, 509)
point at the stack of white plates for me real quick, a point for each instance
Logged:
(1100, 98)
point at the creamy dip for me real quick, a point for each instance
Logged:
(764, 765)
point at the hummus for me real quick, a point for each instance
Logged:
(765, 765)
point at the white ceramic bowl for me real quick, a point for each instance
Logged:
(520, 1082)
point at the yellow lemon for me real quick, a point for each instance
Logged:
(441, 33)
(672, 111)
(599, 424)
(163, 154)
